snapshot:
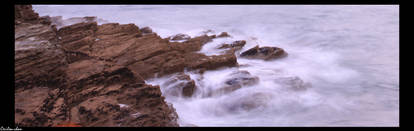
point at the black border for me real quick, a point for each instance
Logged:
(207, 1)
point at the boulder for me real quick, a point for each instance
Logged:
(265, 53)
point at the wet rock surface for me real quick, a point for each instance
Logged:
(180, 37)
(81, 73)
(235, 81)
(233, 47)
(146, 30)
(265, 53)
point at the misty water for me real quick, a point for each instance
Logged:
(347, 56)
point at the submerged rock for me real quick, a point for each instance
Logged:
(265, 53)
(248, 102)
(294, 83)
(180, 84)
(235, 81)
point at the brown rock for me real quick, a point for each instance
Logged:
(73, 74)
(236, 45)
(25, 13)
(26, 104)
(114, 28)
(224, 34)
(265, 53)
(199, 61)
(37, 59)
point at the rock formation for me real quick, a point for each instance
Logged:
(179, 37)
(82, 73)
(93, 75)
(265, 53)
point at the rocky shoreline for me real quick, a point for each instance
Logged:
(94, 75)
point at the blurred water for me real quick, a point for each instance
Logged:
(349, 54)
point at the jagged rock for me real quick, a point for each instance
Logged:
(235, 46)
(265, 53)
(45, 20)
(144, 107)
(199, 61)
(37, 59)
(77, 37)
(59, 71)
(180, 84)
(24, 13)
(180, 37)
(115, 28)
(146, 30)
(26, 104)
(88, 69)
